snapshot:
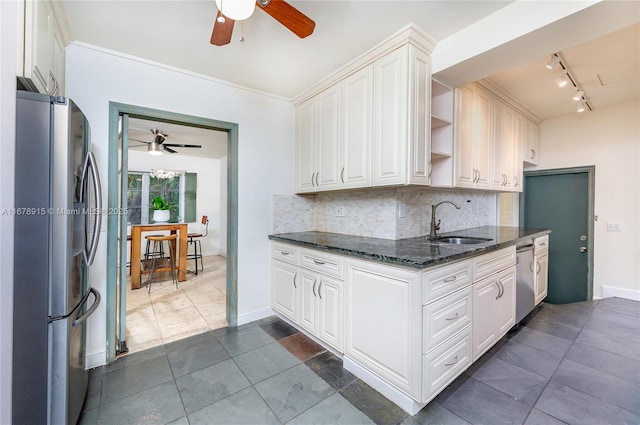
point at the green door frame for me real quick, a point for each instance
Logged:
(591, 217)
(115, 111)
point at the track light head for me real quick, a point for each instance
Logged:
(578, 96)
(582, 107)
(553, 61)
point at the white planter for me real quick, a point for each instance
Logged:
(161, 216)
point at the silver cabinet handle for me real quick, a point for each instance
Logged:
(538, 267)
(475, 175)
(342, 175)
(478, 178)
(430, 169)
(500, 289)
(313, 175)
(450, 279)
(319, 287)
(294, 280)
(319, 262)
(455, 360)
(583, 249)
(452, 318)
(317, 175)
(284, 253)
(533, 153)
(543, 244)
(515, 181)
(531, 266)
(314, 288)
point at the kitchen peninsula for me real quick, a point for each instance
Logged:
(408, 316)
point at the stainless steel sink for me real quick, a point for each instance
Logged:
(460, 240)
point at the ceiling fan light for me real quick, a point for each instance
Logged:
(237, 10)
(154, 148)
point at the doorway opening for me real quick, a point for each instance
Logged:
(207, 299)
(563, 201)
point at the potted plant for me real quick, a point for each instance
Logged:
(162, 210)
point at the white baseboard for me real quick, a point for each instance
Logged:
(95, 360)
(254, 315)
(403, 401)
(611, 291)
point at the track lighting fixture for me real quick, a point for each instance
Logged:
(578, 96)
(565, 79)
(553, 61)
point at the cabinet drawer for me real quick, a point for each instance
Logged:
(445, 280)
(442, 319)
(285, 252)
(322, 262)
(445, 363)
(493, 262)
(541, 244)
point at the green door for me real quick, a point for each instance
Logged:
(561, 201)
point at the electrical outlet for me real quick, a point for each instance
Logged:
(613, 227)
(340, 211)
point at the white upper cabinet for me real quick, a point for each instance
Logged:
(504, 176)
(473, 147)
(531, 149)
(41, 50)
(368, 124)
(357, 118)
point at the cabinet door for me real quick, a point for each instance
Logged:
(309, 283)
(465, 166)
(383, 323)
(38, 17)
(485, 293)
(56, 78)
(331, 309)
(482, 146)
(498, 133)
(284, 296)
(508, 148)
(420, 124)
(390, 76)
(357, 120)
(506, 303)
(305, 146)
(520, 131)
(532, 148)
(542, 276)
(328, 141)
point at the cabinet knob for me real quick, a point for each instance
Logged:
(583, 249)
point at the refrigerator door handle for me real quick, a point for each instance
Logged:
(93, 307)
(90, 166)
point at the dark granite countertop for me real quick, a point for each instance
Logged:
(417, 252)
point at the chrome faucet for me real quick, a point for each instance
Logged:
(436, 226)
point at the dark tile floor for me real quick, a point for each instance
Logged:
(576, 363)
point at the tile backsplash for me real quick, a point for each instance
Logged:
(386, 213)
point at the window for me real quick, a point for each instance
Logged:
(179, 192)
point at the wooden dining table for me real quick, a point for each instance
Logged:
(136, 236)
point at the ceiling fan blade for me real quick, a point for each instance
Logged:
(221, 34)
(137, 140)
(169, 149)
(181, 145)
(290, 17)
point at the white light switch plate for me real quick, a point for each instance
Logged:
(613, 227)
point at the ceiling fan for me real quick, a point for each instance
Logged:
(281, 11)
(157, 145)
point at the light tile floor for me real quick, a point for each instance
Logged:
(167, 314)
(575, 364)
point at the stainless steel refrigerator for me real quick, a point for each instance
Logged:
(57, 225)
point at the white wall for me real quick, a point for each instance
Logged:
(207, 193)
(8, 40)
(266, 132)
(608, 138)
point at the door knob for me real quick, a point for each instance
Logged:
(583, 249)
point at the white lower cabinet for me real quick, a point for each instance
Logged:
(494, 311)
(284, 289)
(412, 331)
(383, 323)
(322, 308)
(541, 264)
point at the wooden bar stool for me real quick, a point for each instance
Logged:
(160, 263)
(150, 252)
(194, 239)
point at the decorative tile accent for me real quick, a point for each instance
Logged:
(301, 346)
(374, 212)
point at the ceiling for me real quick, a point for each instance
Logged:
(273, 60)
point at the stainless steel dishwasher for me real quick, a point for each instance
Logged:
(525, 295)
